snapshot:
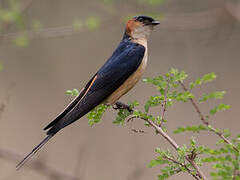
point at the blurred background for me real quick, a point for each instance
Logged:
(47, 47)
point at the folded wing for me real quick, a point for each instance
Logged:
(113, 73)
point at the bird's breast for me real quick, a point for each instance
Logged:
(130, 82)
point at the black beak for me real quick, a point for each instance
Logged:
(154, 23)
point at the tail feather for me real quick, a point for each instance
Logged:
(36, 149)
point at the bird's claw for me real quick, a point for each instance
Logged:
(120, 105)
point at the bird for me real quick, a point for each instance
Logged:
(115, 78)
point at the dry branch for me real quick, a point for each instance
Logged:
(200, 174)
(205, 122)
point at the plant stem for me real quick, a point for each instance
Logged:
(164, 104)
(165, 135)
(196, 107)
(183, 165)
(201, 175)
(176, 147)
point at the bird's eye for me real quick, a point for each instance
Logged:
(140, 19)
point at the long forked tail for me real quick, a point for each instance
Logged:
(36, 149)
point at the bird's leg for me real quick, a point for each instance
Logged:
(120, 105)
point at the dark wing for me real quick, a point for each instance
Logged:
(70, 106)
(121, 48)
(111, 76)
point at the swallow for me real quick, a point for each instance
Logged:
(114, 79)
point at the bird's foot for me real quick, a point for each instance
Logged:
(120, 105)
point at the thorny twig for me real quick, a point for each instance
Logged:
(176, 146)
(164, 104)
(183, 165)
(205, 122)
(133, 129)
(200, 174)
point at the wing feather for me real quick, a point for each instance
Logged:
(70, 106)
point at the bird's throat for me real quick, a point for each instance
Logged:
(141, 41)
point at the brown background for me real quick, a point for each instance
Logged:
(195, 36)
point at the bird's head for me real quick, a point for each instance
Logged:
(140, 26)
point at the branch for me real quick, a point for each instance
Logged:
(170, 140)
(160, 131)
(38, 166)
(183, 165)
(176, 146)
(164, 104)
(205, 122)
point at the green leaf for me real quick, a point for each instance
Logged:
(194, 129)
(124, 113)
(209, 77)
(214, 95)
(152, 2)
(220, 107)
(206, 78)
(156, 162)
(69, 92)
(226, 132)
(73, 92)
(139, 114)
(193, 142)
(36, 25)
(173, 71)
(182, 151)
(121, 116)
(163, 176)
(210, 151)
(158, 150)
(96, 114)
(153, 101)
(177, 76)
(170, 170)
(158, 81)
(92, 22)
(185, 96)
(21, 41)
